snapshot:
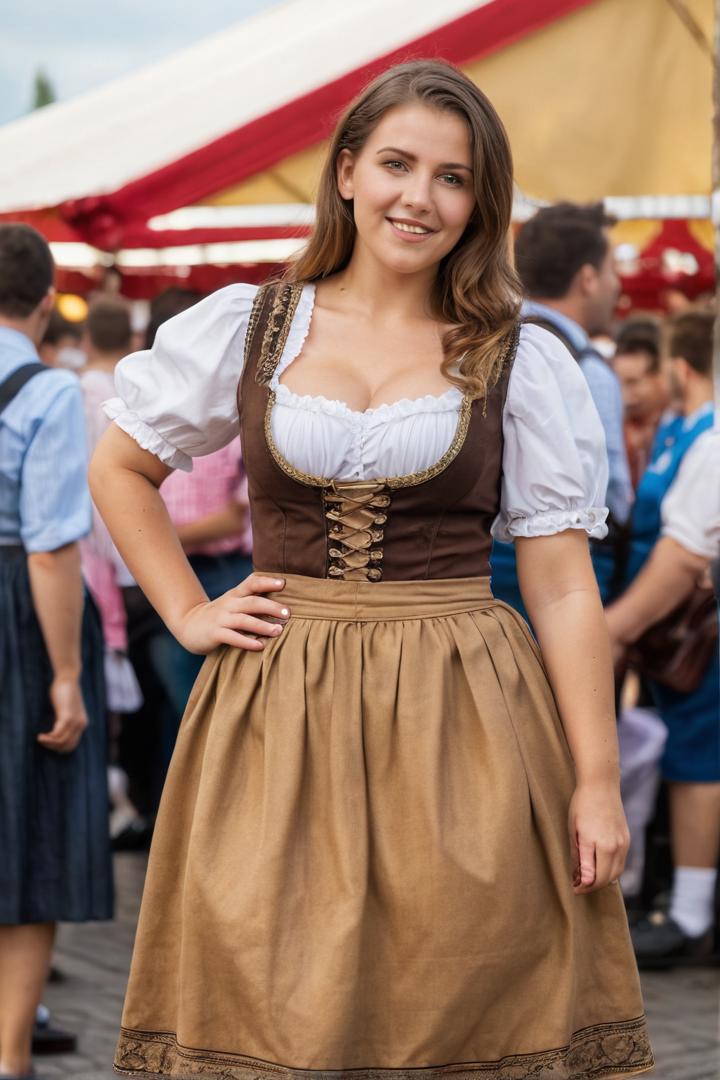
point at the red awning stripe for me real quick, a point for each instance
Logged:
(300, 123)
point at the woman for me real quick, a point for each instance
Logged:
(362, 860)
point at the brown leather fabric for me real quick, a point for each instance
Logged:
(434, 525)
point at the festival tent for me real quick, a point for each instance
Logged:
(210, 158)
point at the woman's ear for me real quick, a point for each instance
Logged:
(345, 167)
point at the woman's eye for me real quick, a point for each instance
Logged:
(452, 179)
(394, 165)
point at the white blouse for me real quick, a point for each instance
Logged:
(179, 400)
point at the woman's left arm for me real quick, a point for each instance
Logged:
(561, 596)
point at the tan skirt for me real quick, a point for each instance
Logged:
(361, 867)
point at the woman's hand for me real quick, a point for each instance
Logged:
(618, 642)
(70, 716)
(234, 617)
(599, 836)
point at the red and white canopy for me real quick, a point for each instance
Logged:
(212, 155)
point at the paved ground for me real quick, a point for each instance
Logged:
(683, 1006)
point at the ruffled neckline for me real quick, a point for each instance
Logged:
(428, 403)
(449, 401)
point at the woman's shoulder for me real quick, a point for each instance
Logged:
(544, 369)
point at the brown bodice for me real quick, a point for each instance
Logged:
(431, 524)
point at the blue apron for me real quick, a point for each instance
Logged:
(692, 752)
(504, 579)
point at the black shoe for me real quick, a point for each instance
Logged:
(660, 943)
(51, 1040)
(134, 837)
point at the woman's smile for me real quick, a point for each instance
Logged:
(408, 230)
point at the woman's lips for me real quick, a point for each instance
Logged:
(407, 232)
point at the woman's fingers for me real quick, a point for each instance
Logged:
(63, 738)
(257, 605)
(250, 625)
(604, 859)
(258, 583)
(239, 641)
(586, 871)
(599, 866)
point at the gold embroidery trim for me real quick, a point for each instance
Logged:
(284, 305)
(602, 1050)
(393, 482)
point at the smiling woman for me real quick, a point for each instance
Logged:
(392, 829)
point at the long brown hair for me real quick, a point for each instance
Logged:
(476, 289)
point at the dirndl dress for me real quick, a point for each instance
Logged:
(54, 835)
(361, 866)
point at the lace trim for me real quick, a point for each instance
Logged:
(428, 403)
(600, 1051)
(145, 436)
(549, 522)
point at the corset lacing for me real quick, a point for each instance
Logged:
(355, 512)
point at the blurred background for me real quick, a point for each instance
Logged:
(165, 150)
(184, 145)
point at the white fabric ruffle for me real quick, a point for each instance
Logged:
(549, 522)
(145, 436)
(396, 410)
(179, 400)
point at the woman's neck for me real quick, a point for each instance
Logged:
(382, 293)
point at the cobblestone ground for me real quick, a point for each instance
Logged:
(682, 1006)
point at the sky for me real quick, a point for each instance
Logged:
(81, 44)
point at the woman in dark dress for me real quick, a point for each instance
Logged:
(54, 849)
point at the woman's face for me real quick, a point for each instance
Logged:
(412, 187)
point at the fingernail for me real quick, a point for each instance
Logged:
(277, 630)
(279, 581)
(284, 612)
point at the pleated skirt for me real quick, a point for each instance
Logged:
(361, 867)
(55, 859)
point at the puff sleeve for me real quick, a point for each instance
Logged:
(179, 399)
(555, 467)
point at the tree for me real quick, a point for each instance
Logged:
(43, 90)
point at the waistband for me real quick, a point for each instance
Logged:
(323, 598)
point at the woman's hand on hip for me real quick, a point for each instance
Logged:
(235, 618)
(599, 836)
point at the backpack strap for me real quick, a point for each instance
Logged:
(577, 354)
(15, 382)
(546, 324)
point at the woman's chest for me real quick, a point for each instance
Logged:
(322, 437)
(366, 367)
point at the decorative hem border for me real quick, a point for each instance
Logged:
(599, 1052)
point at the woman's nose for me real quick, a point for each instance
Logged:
(417, 193)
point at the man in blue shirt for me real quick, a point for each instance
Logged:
(565, 262)
(53, 795)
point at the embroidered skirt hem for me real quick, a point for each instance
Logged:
(361, 863)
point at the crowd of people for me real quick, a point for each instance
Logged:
(654, 396)
(96, 685)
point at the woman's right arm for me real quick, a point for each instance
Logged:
(124, 481)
